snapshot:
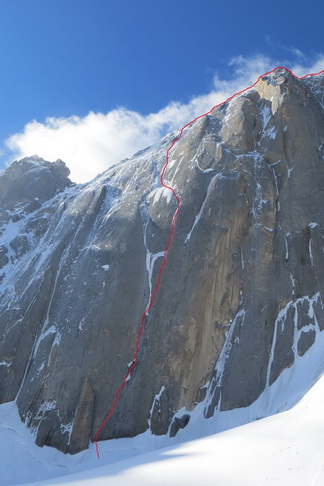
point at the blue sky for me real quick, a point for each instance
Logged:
(65, 58)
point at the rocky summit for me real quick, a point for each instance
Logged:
(241, 297)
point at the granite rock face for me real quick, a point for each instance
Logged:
(241, 296)
(32, 179)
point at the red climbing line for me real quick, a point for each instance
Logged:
(147, 310)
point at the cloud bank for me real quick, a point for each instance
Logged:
(91, 144)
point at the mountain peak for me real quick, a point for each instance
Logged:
(32, 178)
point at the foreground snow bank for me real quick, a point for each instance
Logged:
(285, 449)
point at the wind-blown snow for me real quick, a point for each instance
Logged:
(266, 116)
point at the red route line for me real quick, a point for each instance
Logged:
(147, 310)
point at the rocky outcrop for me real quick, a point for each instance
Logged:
(32, 180)
(241, 295)
(24, 186)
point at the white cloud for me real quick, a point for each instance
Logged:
(91, 144)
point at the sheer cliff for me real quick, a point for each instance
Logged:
(241, 296)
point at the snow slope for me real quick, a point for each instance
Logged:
(283, 449)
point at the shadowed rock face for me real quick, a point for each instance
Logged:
(240, 297)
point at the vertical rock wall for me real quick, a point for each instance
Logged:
(240, 297)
